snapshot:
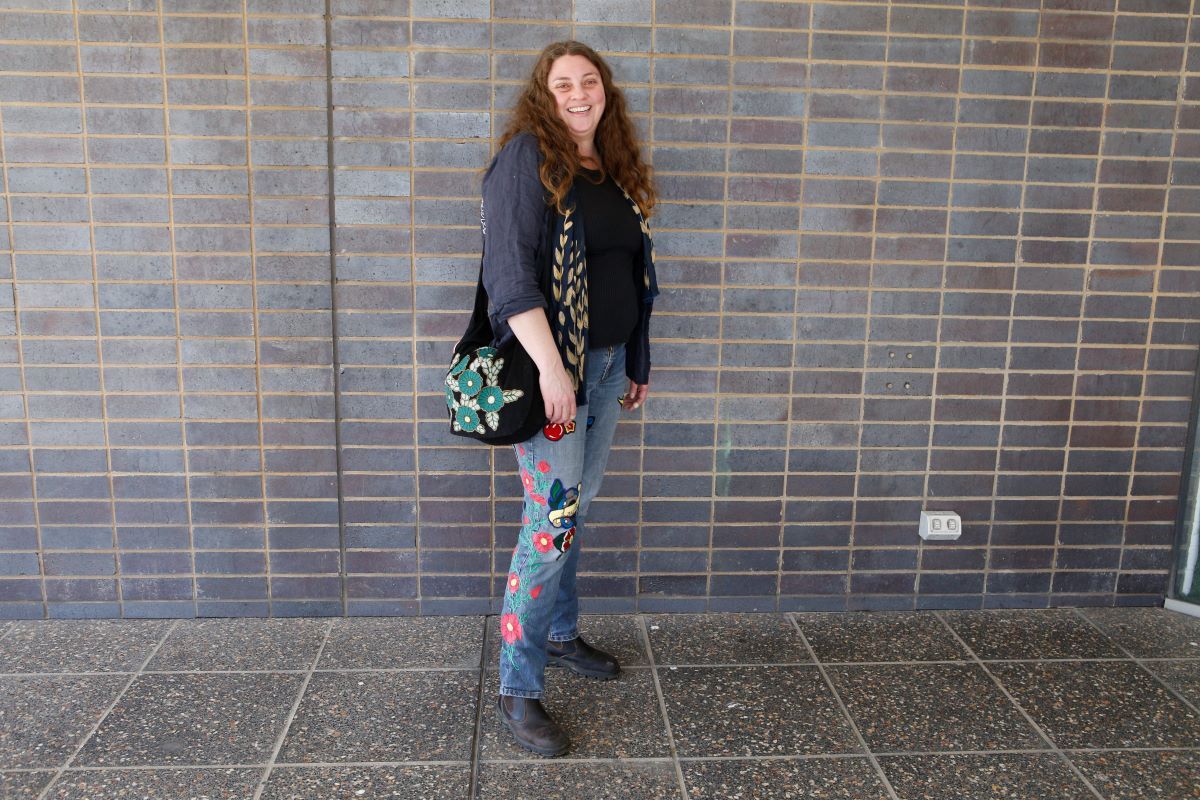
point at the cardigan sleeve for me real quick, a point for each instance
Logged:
(512, 216)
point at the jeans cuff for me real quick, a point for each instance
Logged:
(526, 693)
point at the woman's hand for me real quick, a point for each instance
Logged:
(558, 395)
(635, 396)
(558, 391)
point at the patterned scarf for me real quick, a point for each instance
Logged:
(568, 284)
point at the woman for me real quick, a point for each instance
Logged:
(568, 268)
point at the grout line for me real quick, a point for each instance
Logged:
(1141, 662)
(180, 383)
(335, 340)
(723, 313)
(568, 761)
(644, 636)
(1053, 570)
(476, 741)
(266, 775)
(1037, 728)
(86, 166)
(862, 742)
(19, 347)
(630, 667)
(937, 368)
(103, 716)
(790, 400)
(255, 314)
(1007, 370)
(419, 574)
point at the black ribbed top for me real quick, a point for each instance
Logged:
(614, 247)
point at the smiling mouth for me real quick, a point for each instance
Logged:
(579, 109)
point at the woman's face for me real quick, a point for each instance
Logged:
(578, 94)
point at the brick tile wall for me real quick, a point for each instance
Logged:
(914, 255)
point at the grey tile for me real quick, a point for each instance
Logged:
(1100, 704)
(240, 644)
(782, 779)
(369, 783)
(725, 639)
(879, 636)
(784, 710)
(604, 781)
(376, 642)
(45, 717)
(1182, 676)
(227, 784)
(167, 719)
(93, 645)
(984, 777)
(930, 707)
(24, 785)
(619, 718)
(618, 634)
(1138, 774)
(384, 716)
(1042, 633)
(1150, 632)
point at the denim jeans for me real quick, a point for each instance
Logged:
(561, 468)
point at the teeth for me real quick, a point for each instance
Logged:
(579, 108)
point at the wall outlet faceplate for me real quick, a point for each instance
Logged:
(940, 525)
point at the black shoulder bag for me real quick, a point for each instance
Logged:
(492, 389)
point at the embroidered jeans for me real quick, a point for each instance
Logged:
(561, 468)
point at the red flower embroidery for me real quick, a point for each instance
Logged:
(537, 498)
(542, 542)
(527, 479)
(535, 591)
(520, 450)
(510, 628)
(514, 582)
(543, 467)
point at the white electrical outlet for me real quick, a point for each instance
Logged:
(940, 525)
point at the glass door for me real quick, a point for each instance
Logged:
(1183, 593)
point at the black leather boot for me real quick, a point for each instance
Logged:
(531, 726)
(582, 659)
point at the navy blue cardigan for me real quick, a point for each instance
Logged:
(518, 232)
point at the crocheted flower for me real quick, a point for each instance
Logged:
(510, 628)
(467, 418)
(527, 480)
(543, 467)
(542, 542)
(514, 582)
(491, 398)
(469, 383)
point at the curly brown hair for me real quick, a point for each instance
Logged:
(536, 112)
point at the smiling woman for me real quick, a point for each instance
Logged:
(579, 304)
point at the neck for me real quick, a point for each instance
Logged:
(587, 149)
